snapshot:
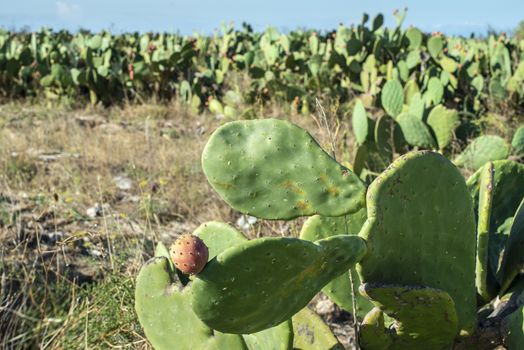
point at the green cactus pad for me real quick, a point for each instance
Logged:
(339, 289)
(263, 282)
(218, 236)
(518, 141)
(434, 92)
(392, 97)
(168, 320)
(513, 328)
(482, 150)
(276, 338)
(421, 230)
(435, 46)
(443, 121)
(416, 106)
(486, 286)
(360, 122)
(508, 191)
(311, 333)
(372, 332)
(273, 169)
(383, 135)
(513, 258)
(426, 317)
(415, 132)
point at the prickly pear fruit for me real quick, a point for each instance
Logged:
(189, 253)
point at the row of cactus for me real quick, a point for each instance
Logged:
(468, 74)
(434, 256)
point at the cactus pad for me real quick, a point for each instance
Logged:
(339, 289)
(426, 317)
(218, 236)
(443, 121)
(360, 122)
(392, 97)
(415, 132)
(372, 331)
(263, 282)
(513, 327)
(273, 169)
(276, 338)
(518, 141)
(486, 286)
(513, 259)
(482, 150)
(311, 333)
(167, 317)
(421, 230)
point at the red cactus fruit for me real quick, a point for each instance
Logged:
(189, 253)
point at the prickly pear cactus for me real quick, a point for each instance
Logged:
(513, 258)
(443, 121)
(166, 316)
(360, 122)
(518, 141)
(372, 331)
(289, 272)
(392, 98)
(482, 150)
(426, 317)
(339, 289)
(421, 231)
(513, 328)
(273, 169)
(218, 236)
(485, 282)
(415, 132)
(276, 338)
(311, 333)
(508, 191)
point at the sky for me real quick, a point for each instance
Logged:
(204, 16)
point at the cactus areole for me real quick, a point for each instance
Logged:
(189, 254)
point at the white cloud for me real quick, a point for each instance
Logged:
(67, 11)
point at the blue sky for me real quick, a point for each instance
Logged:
(186, 16)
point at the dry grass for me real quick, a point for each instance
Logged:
(67, 279)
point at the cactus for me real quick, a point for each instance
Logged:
(289, 273)
(518, 141)
(167, 317)
(426, 317)
(360, 122)
(339, 289)
(276, 338)
(513, 328)
(434, 92)
(482, 150)
(274, 154)
(428, 235)
(507, 193)
(443, 121)
(416, 106)
(513, 259)
(218, 236)
(484, 279)
(435, 46)
(392, 98)
(372, 331)
(415, 131)
(311, 333)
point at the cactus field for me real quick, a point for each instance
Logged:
(359, 188)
